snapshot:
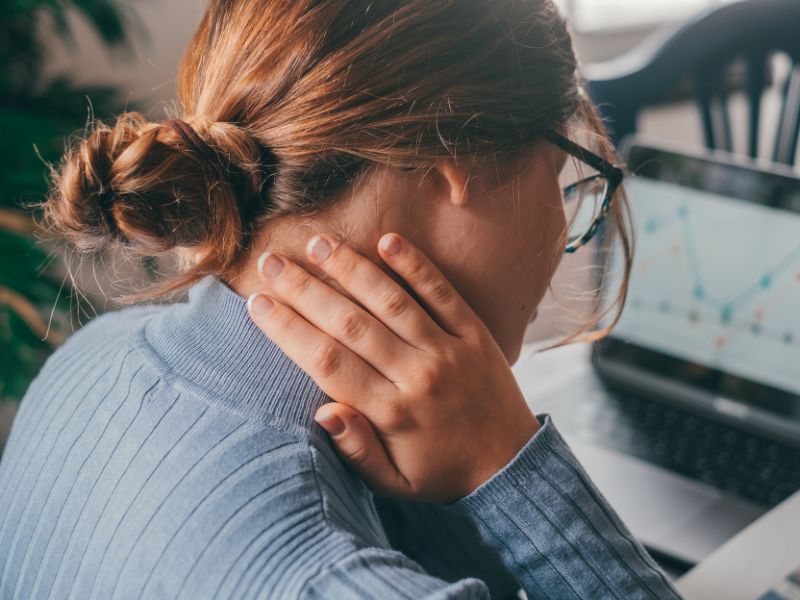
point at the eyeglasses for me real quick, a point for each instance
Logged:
(597, 190)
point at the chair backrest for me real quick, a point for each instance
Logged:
(748, 33)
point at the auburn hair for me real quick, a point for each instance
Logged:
(297, 99)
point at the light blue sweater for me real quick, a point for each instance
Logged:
(169, 451)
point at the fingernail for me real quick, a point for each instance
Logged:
(319, 248)
(391, 245)
(270, 265)
(259, 305)
(332, 424)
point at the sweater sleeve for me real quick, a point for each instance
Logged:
(556, 532)
(544, 518)
(445, 543)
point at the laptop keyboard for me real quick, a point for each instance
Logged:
(748, 465)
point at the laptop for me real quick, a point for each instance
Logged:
(689, 419)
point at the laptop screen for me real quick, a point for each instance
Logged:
(714, 297)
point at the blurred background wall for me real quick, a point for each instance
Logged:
(159, 32)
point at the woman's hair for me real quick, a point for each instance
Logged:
(292, 100)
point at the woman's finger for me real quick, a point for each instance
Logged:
(358, 444)
(443, 301)
(374, 289)
(340, 373)
(334, 314)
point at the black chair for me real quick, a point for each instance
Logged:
(701, 53)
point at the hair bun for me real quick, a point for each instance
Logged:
(191, 139)
(157, 186)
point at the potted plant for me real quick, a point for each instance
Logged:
(38, 306)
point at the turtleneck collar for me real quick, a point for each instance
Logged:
(211, 346)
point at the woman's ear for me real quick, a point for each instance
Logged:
(456, 181)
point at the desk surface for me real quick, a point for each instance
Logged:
(753, 561)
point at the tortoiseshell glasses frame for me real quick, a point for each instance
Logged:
(608, 173)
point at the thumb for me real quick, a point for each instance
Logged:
(358, 444)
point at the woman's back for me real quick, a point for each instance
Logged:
(123, 478)
(170, 451)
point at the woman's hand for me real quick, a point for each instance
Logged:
(426, 408)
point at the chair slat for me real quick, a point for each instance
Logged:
(756, 81)
(703, 100)
(724, 122)
(789, 123)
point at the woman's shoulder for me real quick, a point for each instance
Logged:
(119, 323)
(90, 347)
(112, 328)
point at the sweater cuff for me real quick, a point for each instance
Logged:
(517, 473)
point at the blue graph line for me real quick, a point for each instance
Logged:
(767, 279)
(699, 291)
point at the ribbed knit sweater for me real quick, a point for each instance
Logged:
(169, 451)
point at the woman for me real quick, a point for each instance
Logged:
(170, 450)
